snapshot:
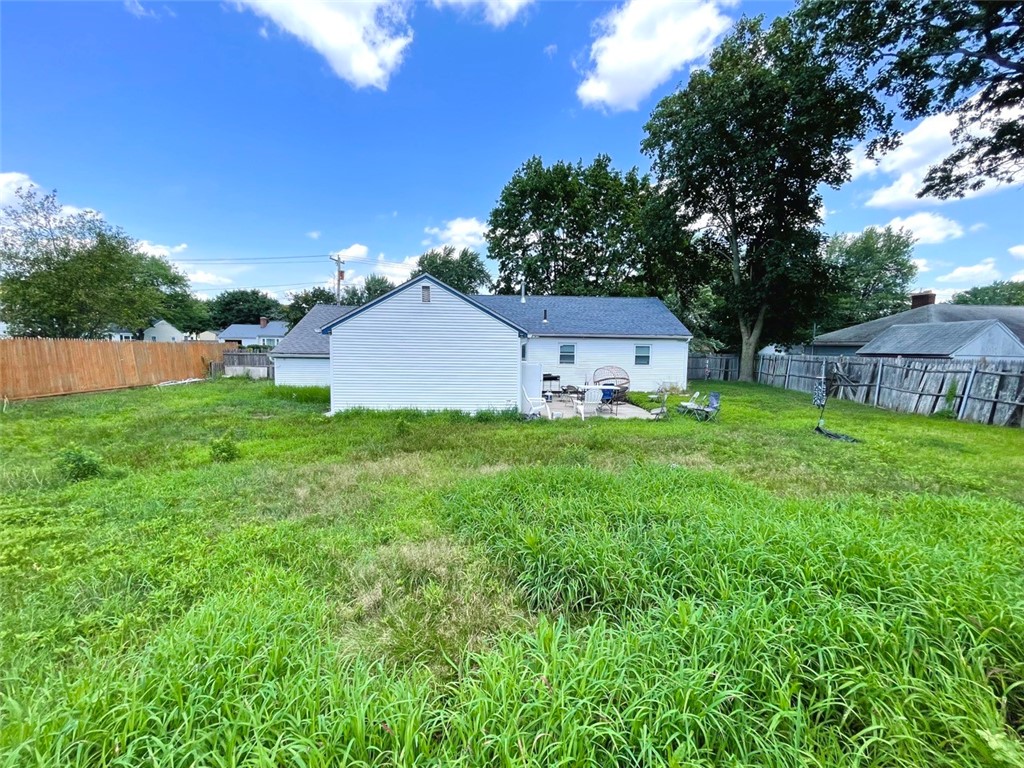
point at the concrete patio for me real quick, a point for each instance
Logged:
(562, 408)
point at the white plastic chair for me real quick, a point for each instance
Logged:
(537, 405)
(591, 397)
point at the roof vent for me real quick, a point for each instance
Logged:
(522, 292)
(425, 294)
(545, 315)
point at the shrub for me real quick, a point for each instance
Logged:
(75, 463)
(224, 448)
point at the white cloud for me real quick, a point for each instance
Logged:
(199, 277)
(983, 272)
(396, 272)
(922, 147)
(641, 44)
(11, 181)
(498, 13)
(460, 232)
(922, 265)
(550, 50)
(1018, 251)
(977, 227)
(929, 228)
(1018, 278)
(264, 33)
(135, 8)
(363, 42)
(354, 252)
(163, 251)
(942, 295)
(314, 234)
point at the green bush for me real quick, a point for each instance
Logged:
(224, 449)
(75, 463)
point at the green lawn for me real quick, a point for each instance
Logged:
(382, 589)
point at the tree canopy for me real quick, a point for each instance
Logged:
(874, 271)
(1001, 292)
(464, 271)
(373, 287)
(741, 151)
(72, 274)
(568, 229)
(243, 306)
(958, 56)
(303, 301)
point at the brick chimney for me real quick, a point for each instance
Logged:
(264, 321)
(922, 299)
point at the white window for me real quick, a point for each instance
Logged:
(567, 354)
(642, 354)
(269, 342)
(425, 294)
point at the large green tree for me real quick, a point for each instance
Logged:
(998, 293)
(243, 306)
(303, 301)
(568, 229)
(874, 271)
(742, 151)
(373, 287)
(464, 271)
(71, 274)
(963, 57)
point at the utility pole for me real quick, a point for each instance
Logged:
(336, 258)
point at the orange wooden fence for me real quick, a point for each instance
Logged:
(42, 367)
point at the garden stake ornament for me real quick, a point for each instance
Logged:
(820, 400)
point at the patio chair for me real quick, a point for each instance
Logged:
(592, 400)
(661, 411)
(690, 405)
(571, 393)
(709, 412)
(615, 376)
(537, 405)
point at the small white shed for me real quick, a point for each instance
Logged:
(425, 346)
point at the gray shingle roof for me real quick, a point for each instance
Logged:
(305, 340)
(251, 330)
(942, 339)
(588, 315)
(1011, 317)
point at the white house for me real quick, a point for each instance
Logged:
(161, 330)
(425, 345)
(302, 358)
(267, 333)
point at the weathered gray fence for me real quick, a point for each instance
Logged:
(256, 365)
(713, 367)
(983, 391)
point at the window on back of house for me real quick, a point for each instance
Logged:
(642, 354)
(567, 354)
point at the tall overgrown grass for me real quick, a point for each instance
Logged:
(432, 589)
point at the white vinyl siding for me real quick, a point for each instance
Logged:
(668, 360)
(302, 371)
(404, 353)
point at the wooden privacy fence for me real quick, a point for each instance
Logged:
(979, 390)
(43, 367)
(713, 367)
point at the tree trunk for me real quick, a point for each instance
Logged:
(750, 337)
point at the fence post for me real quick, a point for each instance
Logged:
(967, 392)
(789, 364)
(878, 380)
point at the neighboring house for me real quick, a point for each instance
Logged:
(849, 341)
(115, 333)
(966, 338)
(425, 345)
(268, 333)
(202, 336)
(3, 330)
(303, 356)
(161, 330)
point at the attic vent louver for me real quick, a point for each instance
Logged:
(425, 294)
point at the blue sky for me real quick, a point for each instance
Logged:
(237, 138)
